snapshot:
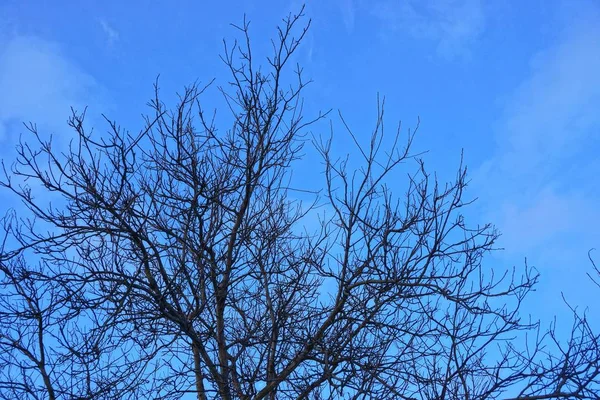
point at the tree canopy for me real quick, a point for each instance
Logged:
(176, 260)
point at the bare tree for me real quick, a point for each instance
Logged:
(55, 340)
(176, 262)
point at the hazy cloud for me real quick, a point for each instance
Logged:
(38, 84)
(348, 11)
(112, 35)
(452, 25)
(541, 185)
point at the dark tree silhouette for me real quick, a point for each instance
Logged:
(174, 261)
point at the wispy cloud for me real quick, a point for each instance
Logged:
(541, 185)
(112, 35)
(452, 25)
(348, 10)
(37, 83)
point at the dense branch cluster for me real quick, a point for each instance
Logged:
(174, 261)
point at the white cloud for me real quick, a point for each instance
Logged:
(453, 25)
(347, 9)
(38, 84)
(541, 186)
(552, 112)
(112, 35)
(548, 217)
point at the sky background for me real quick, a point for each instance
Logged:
(516, 84)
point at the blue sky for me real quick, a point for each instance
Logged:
(513, 83)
